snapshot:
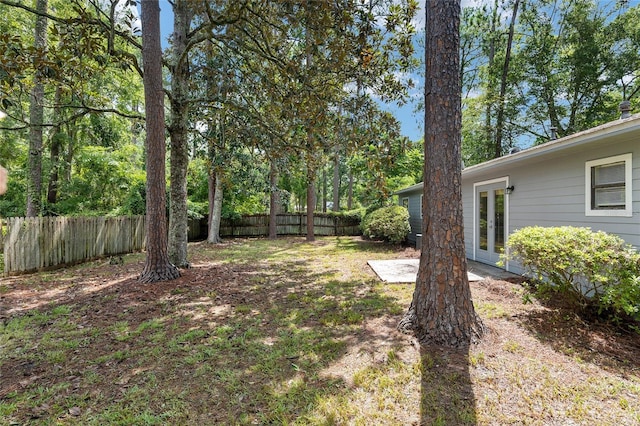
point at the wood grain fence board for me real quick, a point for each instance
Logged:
(287, 224)
(38, 243)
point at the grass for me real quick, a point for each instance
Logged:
(289, 332)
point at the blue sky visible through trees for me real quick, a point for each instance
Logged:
(411, 120)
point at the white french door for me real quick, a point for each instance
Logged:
(490, 221)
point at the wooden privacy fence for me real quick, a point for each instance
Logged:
(289, 224)
(32, 244)
(42, 242)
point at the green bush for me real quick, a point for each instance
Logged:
(353, 216)
(589, 269)
(387, 223)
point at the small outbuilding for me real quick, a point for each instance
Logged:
(588, 179)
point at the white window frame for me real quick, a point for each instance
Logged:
(405, 202)
(628, 193)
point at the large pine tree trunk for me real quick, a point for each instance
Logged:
(157, 266)
(441, 311)
(178, 220)
(36, 117)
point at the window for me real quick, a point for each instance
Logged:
(608, 186)
(405, 203)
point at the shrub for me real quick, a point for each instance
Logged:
(347, 216)
(387, 223)
(587, 268)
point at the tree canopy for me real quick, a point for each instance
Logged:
(293, 87)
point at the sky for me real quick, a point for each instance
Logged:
(411, 121)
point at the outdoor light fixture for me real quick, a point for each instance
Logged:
(510, 189)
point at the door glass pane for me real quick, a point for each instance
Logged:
(484, 213)
(499, 220)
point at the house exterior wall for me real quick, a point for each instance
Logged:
(550, 190)
(414, 196)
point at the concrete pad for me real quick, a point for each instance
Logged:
(402, 270)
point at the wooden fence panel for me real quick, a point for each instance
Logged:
(43, 242)
(32, 244)
(2, 230)
(288, 224)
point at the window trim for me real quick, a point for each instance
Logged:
(403, 204)
(628, 179)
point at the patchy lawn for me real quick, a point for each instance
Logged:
(289, 332)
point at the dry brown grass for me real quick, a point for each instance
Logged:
(286, 332)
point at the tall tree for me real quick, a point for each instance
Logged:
(441, 311)
(311, 151)
(36, 115)
(157, 266)
(498, 145)
(178, 130)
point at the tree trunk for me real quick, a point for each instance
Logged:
(324, 189)
(56, 144)
(157, 266)
(216, 210)
(211, 190)
(311, 204)
(178, 219)
(491, 83)
(503, 83)
(274, 204)
(350, 197)
(72, 131)
(441, 311)
(336, 181)
(36, 118)
(311, 155)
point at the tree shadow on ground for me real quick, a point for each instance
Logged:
(447, 396)
(589, 339)
(371, 246)
(225, 343)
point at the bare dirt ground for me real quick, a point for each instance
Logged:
(92, 345)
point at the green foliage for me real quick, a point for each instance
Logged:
(135, 203)
(588, 269)
(387, 223)
(104, 181)
(551, 75)
(197, 179)
(355, 215)
(197, 210)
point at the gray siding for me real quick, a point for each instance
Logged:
(550, 191)
(415, 211)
